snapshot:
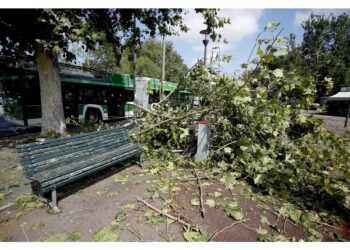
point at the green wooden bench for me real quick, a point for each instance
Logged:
(57, 162)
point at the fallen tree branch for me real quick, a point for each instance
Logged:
(146, 110)
(173, 119)
(200, 193)
(165, 214)
(180, 214)
(225, 228)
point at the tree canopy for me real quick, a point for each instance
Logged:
(323, 53)
(149, 57)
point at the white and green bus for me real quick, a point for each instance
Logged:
(87, 95)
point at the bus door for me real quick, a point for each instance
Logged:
(70, 100)
(116, 102)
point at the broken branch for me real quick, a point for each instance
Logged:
(163, 213)
(225, 228)
(200, 193)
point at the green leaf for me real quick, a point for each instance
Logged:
(217, 194)
(74, 236)
(120, 216)
(148, 212)
(195, 236)
(129, 205)
(121, 178)
(56, 238)
(262, 231)
(195, 202)
(227, 150)
(257, 179)
(260, 52)
(38, 226)
(244, 66)
(315, 235)
(169, 221)
(105, 234)
(235, 214)
(264, 220)
(210, 203)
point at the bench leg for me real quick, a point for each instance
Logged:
(53, 203)
(140, 163)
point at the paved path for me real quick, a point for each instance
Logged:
(8, 126)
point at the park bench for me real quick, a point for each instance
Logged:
(57, 162)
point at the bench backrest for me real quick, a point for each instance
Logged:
(39, 156)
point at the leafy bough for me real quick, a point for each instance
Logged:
(258, 129)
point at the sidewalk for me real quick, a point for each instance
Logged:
(8, 125)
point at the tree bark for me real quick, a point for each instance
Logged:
(50, 94)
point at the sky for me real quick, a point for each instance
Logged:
(241, 34)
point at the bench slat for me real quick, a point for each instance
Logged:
(68, 157)
(77, 165)
(88, 171)
(32, 159)
(49, 145)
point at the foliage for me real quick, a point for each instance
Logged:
(196, 236)
(258, 131)
(148, 61)
(106, 234)
(322, 53)
(121, 216)
(74, 236)
(325, 45)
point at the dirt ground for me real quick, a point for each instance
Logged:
(107, 207)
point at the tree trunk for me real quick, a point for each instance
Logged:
(50, 93)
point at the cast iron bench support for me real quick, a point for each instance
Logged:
(57, 162)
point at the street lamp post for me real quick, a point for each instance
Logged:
(205, 42)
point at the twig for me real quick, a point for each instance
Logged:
(192, 179)
(176, 151)
(225, 228)
(284, 226)
(278, 216)
(327, 225)
(135, 233)
(165, 214)
(225, 145)
(7, 206)
(267, 51)
(251, 229)
(200, 193)
(181, 157)
(25, 235)
(8, 193)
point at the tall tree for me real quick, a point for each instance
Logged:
(325, 49)
(149, 57)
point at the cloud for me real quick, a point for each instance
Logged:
(244, 22)
(302, 16)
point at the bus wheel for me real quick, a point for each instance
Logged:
(93, 116)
